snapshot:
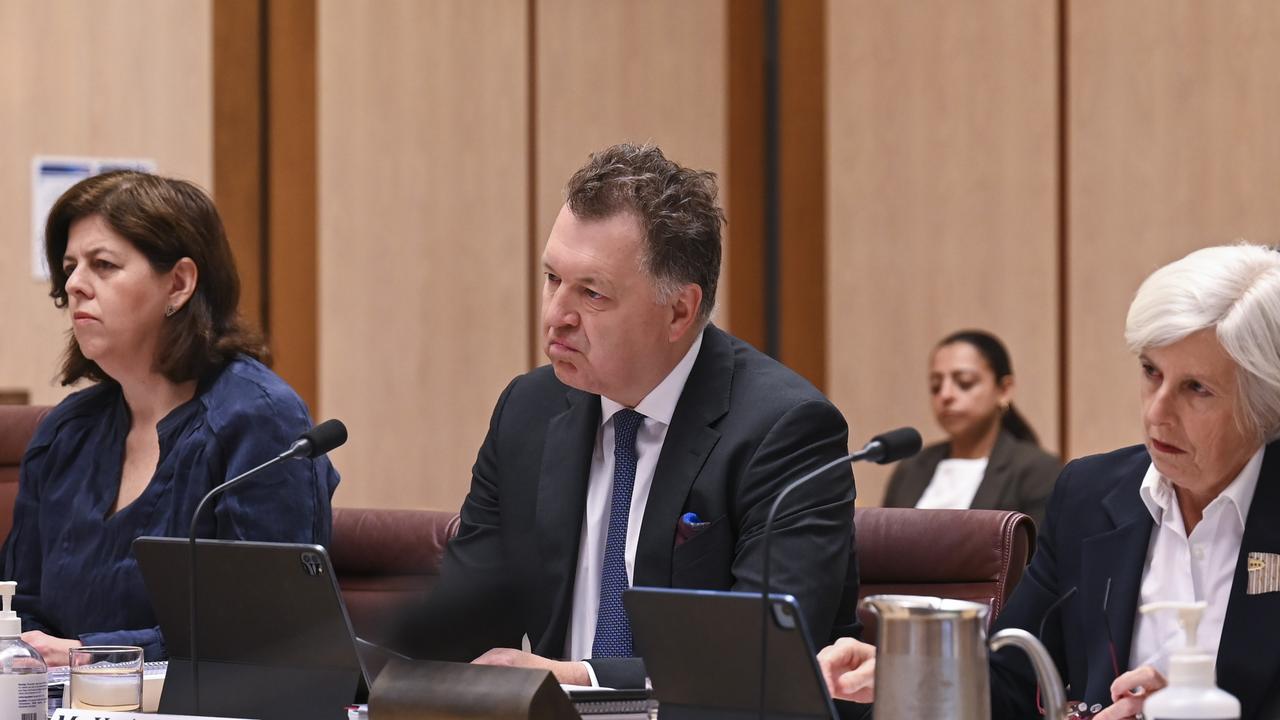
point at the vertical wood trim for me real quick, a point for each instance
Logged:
(1064, 229)
(772, 179)
(291, 186)
(803, 181)
(238, 174)
(534, 262)
(745, 176)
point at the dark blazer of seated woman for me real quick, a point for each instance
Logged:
(997, 462)
(1019, 476)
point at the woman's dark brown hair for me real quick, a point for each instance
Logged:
(166, 220)
(993, 351)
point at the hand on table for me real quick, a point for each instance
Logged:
(567, 673)
(849, 667)
(1130, 691)
(52, 649)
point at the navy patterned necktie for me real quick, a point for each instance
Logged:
(613, 631)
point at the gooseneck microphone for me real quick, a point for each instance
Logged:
(313, 443)
(882, 449)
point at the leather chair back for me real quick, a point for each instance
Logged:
(17, 425)
(976, 555)
(387, 559)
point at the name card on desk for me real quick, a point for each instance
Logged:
(75, 714)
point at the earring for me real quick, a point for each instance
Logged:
(169, 310)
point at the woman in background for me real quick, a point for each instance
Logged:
(179, 402)
(991, 459)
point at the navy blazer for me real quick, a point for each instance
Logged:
(743, 428)
(1097, 529)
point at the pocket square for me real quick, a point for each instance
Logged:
(1264, 573)
(688, 528)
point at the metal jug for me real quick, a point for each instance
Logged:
(931, 659)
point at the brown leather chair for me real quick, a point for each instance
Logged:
(976, 555)
(17, 425)
(386, 559)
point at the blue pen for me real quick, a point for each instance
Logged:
(690, 518)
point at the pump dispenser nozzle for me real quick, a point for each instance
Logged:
(1191, 693)
(1187, 664)
(10, 623)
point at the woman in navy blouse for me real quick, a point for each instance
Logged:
(180, 402)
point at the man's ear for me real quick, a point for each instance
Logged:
(685, 307)
(184, 276)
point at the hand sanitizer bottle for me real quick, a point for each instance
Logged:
(1191, 693)
(24, 685)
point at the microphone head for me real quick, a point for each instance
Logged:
(324, 437)
(895, 445)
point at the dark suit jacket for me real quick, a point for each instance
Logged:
(1019, 477)
(743, 427)
(1097, 529)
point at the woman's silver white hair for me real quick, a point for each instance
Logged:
(1234, 289)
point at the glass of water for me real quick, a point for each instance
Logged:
(106, 677)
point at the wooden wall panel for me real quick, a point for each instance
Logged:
(291, 189)
(423, 235)
(1173, 147)
(238, 141)
(633, 71)
(130, 78)
(802, 196)
(941, 202)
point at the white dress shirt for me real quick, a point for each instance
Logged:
(657, 407)
(955, 481)
(1194, 568)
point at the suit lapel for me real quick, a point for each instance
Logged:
(1111, 576)
(996, 477)
(562, 501)
(689, 441)
(1247, 665)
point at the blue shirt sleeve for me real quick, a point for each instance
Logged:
(150, 640)
(289, 502)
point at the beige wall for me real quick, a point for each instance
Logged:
(448, 128)
(424, 277)
(634, 71)
(941, 203)
(1173, 147)
(425, 147)
(129, 78)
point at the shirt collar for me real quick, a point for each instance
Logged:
(660, 403)
(1157, 492)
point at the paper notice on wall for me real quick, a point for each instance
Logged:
(52, 176)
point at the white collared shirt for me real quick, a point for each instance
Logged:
(955, 481)
(1194, 568)
(657, 407)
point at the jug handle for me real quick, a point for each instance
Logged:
(1046, 672)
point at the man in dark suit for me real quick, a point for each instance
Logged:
(647, 453)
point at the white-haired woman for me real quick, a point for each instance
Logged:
(1190, 515)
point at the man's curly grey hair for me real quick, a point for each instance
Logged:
(676, 207)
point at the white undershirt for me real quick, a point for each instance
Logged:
(1200, 567)
(657, 407)
(954, 483)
